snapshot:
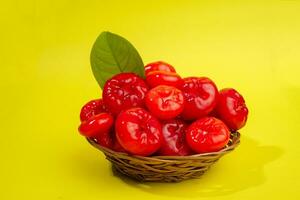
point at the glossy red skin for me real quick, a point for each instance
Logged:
(105, 139)
(98, 124)
(159, 66)
(92, 108)
(207, 134)
(123, 91)
(138, 132)
(232, 109)
(174, 143)
(201, 95)
(156, 78)
(165, 102)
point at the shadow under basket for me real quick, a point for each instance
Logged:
(165, 168)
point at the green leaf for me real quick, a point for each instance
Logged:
(112, 54)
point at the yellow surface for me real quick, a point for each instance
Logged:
(46, 78)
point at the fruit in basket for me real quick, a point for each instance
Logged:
(150, 110)
(232, 109)
(123, 91)
(92, 108)
(156, 78)
(207, 134)
(138, 131)
(200, 94)
(174, 142)
(97, 124)
(105, 139)
(117, 147)
(165, 102)
(159, 66)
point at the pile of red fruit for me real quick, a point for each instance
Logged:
(164, 114)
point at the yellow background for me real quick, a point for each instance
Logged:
(253, 46)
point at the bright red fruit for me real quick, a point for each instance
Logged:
(207, 134)
(159, 66)
(96, 125)
(92, 108)
(138, 132)
(200, 96)
(165, 102)
(123, 91)
(231, 108)
(105, 139)
(156, 78)
(174, 143)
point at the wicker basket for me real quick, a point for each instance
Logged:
(165, 168)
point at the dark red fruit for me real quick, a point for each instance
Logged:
(200, 96)
(105, 140)
(92, 108)
(123, 91)
(231, 108)
(109, 140)
(159, 66)
(138, 132)
(207, 134)
(165, 102)
(117, 147)
(96, 125)
(174, 143)
(156, 78)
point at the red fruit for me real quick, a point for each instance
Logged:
(109, 140)
(123, 91)
(92, 108)
(105, 140)
(208, 134)
(174, 143)
(231, 108)
(159, 66)
(138, 132)
(165, 102)
(156, 78)
(96, 125)
(117, 147)
(200, 96)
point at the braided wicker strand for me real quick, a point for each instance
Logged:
(165, 168)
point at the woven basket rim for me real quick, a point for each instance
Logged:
(235, 142)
